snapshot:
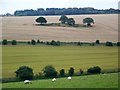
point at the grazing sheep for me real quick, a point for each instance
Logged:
(69, 78)
(54, 79)
(27, 82)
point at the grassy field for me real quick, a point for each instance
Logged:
(62, 57)
(91, 81)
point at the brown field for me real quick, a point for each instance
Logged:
(23, 28)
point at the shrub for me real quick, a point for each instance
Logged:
(14, 42)
(24, 72)
(62, 72)
(33, 42)
(71, 71)
(28, 42)
(49, 71)
(97, 41)
(5, 42)
(118, 43)
(109, 44)
(94, 70)
(81, 71)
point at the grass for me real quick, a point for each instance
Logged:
(91, 81)
(63, 57)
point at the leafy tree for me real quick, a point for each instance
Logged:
(71, 71)
(71, 21)
(58, 43)
(5, 42)
(24, 72)
(33, 42)
(63, 19)
(97, 41)
(14, 42)
(88, 21)
(41, 20)
(49, 71)
(53, 42)
(62, 72)
(38, 41)
(94, 70)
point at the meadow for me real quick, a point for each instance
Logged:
(90, 81)
(62, 57)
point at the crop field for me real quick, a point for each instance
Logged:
(91, 81)
(23, 28)
(62, 57)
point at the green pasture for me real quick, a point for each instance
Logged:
(61, 57)
(90, 81)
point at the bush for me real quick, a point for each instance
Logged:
(81, 71)
(58, 43)
(28, 42)
(24, 72)
(49, 71)
(53, 42)
(109, 44)
(97, 41)
(38, 41)
(94, 70)
(62, 72)
(79, 44)
(4, 42)
(118, 43)
(14, 42)
(71, 71)
(33, 42)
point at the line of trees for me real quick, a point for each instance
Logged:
(64, 11)
(58, 43)
(25, 72)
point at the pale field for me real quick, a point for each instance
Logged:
(23, 28)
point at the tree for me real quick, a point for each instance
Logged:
(24, 72)
(109, 44)
(97, 41)
(41, 20)
(33, 42)
(94, 70)
(71, 71)
(14, 42)
(79, 44)
(53, 42)
(118, 43)
(62, 72)
(88, 21)
(71, 21)
(5, 42)
(49, 71)
(63, 19)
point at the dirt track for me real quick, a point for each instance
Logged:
(23, 28)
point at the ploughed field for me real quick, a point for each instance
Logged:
(91, 81)
(23, 28)
(62, 57)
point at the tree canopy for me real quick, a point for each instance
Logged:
(71, 21)
(41, 20)
(63, 19)
(88, 21)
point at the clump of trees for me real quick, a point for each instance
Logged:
(94, 70)
(53, 43)
(41, 20)
(71, 71)
(62, 72)
(14, 42)
(24, 73)
(64, 19)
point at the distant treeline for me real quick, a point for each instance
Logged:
(64, 11)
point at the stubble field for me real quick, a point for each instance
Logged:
(23, 28)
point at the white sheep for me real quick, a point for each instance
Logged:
(54, 79)
(27, 82)
(69, 78)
